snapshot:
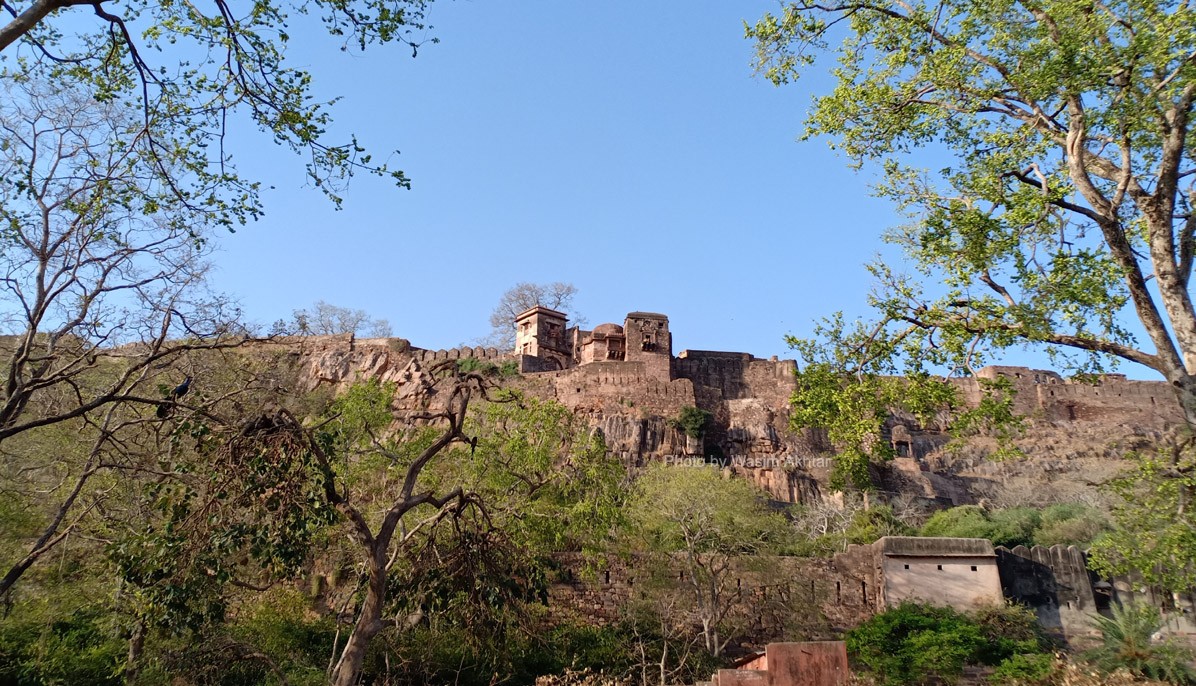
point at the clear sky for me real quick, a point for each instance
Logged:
(625, 147)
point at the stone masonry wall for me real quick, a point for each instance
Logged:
(1071, 424)
(826, 597)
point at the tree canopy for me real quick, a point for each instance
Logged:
(323, 319)
(1058, 211)
(1041, 154)
(706, 520)
(190, 72)
(1060, 202)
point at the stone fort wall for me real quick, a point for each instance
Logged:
(1046, 395)
(817, 598)
(1064, 594)
(836, 594)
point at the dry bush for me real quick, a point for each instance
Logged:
(584, 677)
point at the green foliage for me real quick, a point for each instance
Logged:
(709, 519)
(614, 649)
(691, 421)
(1024, 670)
(697, 509)
(155, 59)
(1071, 524)
(915, 643)
(1065, 524)
(360, 412)
(281, 625)
(531, 441)
(868, 526)
(582, 646)
(851, 402)
(251, 504)
(967, 521)
(535, 480)
(993, 416)
(1154, 532)
(1006, 228)
(506, 370)
(1045, 188)
(1127, 643)
(82, 646)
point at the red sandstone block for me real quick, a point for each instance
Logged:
(741, 677)
(813, 663)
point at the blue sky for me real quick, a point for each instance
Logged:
(625, 147)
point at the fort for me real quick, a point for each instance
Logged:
(629, 385)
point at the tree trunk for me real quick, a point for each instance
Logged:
(1185, 393)
(136, 644)
(709, 636)
(369, 623)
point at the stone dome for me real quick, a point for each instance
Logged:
(609, 330)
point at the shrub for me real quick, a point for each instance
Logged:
(1066, 524)
(867, 526)
(81, 647)
(1014, 526)
(966, 521)
(472, 364)
(1024, 669)
(691, 420)
(913, 643)
(1127, 643)
(1071, 524)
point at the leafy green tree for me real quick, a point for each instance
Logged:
(852, 407)
(1011, 527)
(1071, 524)
(691, 421)
(476, 503)
(702, 521)
(1065, 186)
(189, 72)
(1042, 154)
(1154, 533)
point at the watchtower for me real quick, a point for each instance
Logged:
(649, 341)
(540, 332)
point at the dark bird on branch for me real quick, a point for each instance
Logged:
(177, 392)
(181, 389)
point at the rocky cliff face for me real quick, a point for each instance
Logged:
(1076, 433)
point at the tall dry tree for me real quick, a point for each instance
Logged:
(101, 289)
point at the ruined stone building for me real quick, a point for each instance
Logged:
(545, 342)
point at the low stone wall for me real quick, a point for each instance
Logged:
(820, 598)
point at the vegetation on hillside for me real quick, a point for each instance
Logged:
(914, 643)
(1062, 524)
